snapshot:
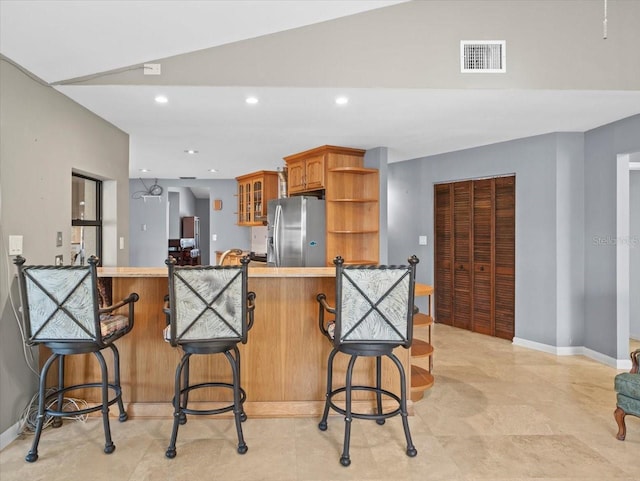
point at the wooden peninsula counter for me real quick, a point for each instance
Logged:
(283, 364)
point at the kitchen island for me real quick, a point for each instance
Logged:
(283, 364)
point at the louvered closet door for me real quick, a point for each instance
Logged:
(462, 254)
(443, 249)
(483, 228)
(475, 255)
(505, 248)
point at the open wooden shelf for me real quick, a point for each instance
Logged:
(420, 348)
(421, 380)
(422, 320)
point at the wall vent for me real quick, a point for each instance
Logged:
(487, 56)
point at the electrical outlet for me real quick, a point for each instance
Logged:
(59, 260)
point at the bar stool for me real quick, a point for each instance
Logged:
(373, 315)
(210, 311)
(60, 310)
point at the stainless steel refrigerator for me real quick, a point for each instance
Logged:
(296, 232)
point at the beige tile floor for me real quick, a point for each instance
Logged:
(496, 412)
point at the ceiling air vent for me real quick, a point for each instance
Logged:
(486, 56)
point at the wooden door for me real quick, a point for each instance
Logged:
(483, 227)
(462, 254)
(475, 255)
(505, 257)
(443, 250)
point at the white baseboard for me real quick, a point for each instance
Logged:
(574, 351)
(9, 435)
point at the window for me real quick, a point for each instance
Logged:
(86, 218)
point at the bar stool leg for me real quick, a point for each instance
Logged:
(57, 420)
(411, 450)
(116, 375)
(322, 425)
(177, 407)
(109, 447)
(345, 460)
(380, 421)
(236, 353)
(32, 456)
(237, 405)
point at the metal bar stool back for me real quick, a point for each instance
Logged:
(60, 310)
(373, 316)
(209, 311)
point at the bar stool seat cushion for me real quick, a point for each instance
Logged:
(112, 325)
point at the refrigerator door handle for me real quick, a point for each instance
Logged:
(277, 221)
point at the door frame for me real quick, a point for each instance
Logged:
(625, 163)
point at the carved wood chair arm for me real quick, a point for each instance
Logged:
(635, 359)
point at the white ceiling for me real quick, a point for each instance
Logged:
(236, 138)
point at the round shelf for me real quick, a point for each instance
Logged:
(422, 320)
(421, 379)
(420, 348)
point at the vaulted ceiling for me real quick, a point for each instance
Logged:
(297, 57)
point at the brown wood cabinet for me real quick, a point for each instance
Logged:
(254, 192)
(305, 174)
(351, 192)
(475, 255)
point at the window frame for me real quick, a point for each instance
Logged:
(97, 223)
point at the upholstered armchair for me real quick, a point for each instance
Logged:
(627, 385)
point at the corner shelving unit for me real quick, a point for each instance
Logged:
(353, 223)
(422, 348)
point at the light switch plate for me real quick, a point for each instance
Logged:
(15, 245)
(422, 240)
(59, 239)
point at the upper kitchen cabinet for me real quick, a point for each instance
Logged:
(307, 171)
(351, 192)
(305, 175)
(254, 192)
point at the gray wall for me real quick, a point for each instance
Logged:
(174, 227)
(565, 198)
(378, 158)
(46, 136)
(203, 207)
(602, 145)
(634, 252)
(533, 161)
(417, 45)
(149, 247)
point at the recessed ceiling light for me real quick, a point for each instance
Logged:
(161, 99)
(342, 100)
(190, 151)
(213, 170)
(145, 170)
(252, 100)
